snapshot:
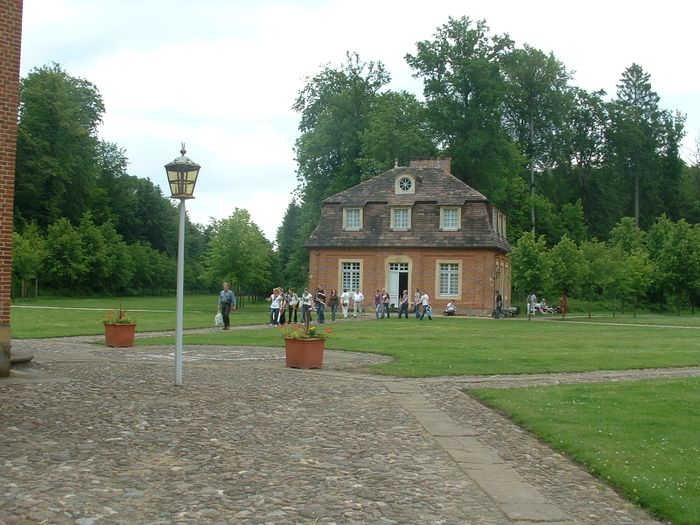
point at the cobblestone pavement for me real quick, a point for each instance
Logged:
(94, 435)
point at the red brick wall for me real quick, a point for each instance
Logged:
(10, 44)
(478, 277)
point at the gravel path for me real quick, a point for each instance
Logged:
(94, 435)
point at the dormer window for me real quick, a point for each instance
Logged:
(400, 218)
(405, 184)
(352, 219)
(450, 218)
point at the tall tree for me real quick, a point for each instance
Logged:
(464, 90)
(334, 107)
(690, 187)
(538, 102)
(56, 146)
(396, 131)
(640, 137)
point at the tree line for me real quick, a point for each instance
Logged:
(83, 225)
(657, 267)
(561, 162)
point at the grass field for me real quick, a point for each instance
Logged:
(639, 436)
(642, 437)
(63, 317)
(462, 346)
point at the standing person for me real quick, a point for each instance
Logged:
(345, 302)
(531, 302)
(292, 305)
(425, 307)
(274, 306)
(378, 306)
(562, 304)
(357, 301)
(306, 301)
(320, 298)
(282, 307)
(227, 300)
(499, 305)
(416, 302)
(333, 302)
(403, 304)
(386, 301)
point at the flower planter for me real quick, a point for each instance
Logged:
(120, 335)
(303, 353)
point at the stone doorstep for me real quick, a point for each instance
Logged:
(21, 358)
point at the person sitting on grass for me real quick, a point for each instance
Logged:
(450, 309)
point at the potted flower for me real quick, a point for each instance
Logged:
(120, 329)
(304, 345)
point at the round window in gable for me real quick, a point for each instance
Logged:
(405, 184)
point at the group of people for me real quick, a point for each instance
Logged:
(308, 302)
(284, 307)
(534, 306)
(289, 307)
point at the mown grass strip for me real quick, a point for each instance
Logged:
(642, 436)
(463, 346)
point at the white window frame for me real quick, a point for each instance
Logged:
(397, 187)
(350, 274)
(458, 219)
(451, 270)
(395, 224)
(347, 225)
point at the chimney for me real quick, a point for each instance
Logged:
(444, 163)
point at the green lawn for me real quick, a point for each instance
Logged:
(463, 346)
(642, 437)
(63, 317)
(646, 319)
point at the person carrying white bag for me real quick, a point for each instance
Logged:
(227, 300)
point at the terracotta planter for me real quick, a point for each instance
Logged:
(304, 353)
(120, 335)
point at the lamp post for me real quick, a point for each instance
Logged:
(182, 176)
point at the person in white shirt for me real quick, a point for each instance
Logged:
(275, 306)
(345, 303)
(357, 300)
(306, 300)
(425, 307)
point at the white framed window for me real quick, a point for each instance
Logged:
(350, 275)
(450, 218)
(352, 219)
(448, 279)
(404, 184)
(400, 218)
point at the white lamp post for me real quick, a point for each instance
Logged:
(182, 176)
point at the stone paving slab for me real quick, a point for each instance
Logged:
(93, 435)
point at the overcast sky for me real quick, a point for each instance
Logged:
(222, 75)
